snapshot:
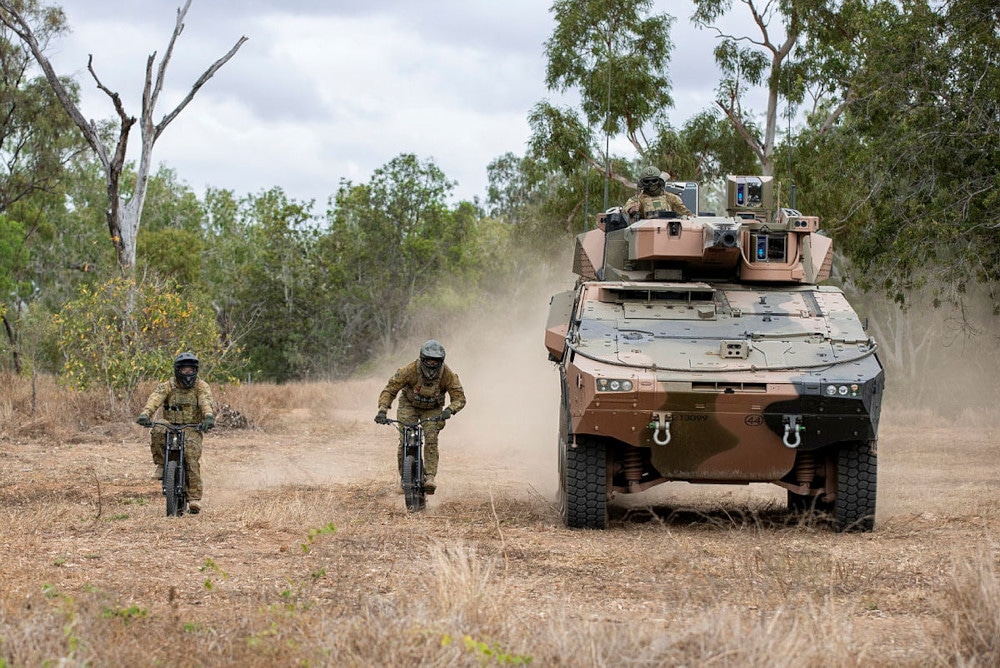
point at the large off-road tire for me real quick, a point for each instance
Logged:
(857, 482)
(584, 483)
(413, 488)
(174, 500)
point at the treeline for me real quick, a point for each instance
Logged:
(293, 291)
(896, 150)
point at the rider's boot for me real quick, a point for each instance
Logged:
(157, 472)
(194, 507)
(429, 486)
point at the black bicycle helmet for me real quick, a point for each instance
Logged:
(431, 359)
(186, 369)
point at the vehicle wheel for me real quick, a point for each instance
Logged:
(413, 489)
(857, 481)
(170, 472)
(585, 484)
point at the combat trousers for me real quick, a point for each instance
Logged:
(408, 413)
(192, 458)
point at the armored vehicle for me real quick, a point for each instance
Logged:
(702, 349)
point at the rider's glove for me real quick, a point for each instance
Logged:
(208, 423)
(143, 420)
(446, 413)
(381, 418)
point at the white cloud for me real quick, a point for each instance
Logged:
(330, 90)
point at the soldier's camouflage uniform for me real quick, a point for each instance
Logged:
(422, 398)
(181, 406)
(643, 205)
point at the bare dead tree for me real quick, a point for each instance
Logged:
(123, 219)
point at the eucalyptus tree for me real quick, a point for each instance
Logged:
(274, 305)
(37, 140)
(915, 160)
(763, 59)
(122, 220)
(614, 54)
(389, 241)
(38, 144)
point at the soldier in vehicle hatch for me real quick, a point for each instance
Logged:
(186, 399)
(423, 384)
(652, 198)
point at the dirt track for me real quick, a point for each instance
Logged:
(303, 516)
(89, 518)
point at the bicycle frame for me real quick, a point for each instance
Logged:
(175, 483)
(412, 435)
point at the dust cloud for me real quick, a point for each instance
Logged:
(939, 361)
(506, 436)
(505, 439)
(504, 442)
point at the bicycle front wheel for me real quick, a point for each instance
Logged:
(413, 486)
(174, 500)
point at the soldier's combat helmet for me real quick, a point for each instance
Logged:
(186, 369)
(431, 359)
(650, 181)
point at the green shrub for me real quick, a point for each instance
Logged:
(121, 332)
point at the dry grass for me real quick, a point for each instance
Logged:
(971, 610)
(305, 556)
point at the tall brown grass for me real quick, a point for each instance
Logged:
(482, 581)
(971, 610)
(40, 406)
(450, 609)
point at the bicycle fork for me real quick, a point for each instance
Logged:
(174, 445)
(414, 446)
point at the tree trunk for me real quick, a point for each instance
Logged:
(14, 350)
(123, 221)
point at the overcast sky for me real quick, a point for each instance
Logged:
(326, 90)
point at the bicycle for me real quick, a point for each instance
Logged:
(174, 477)
(413, 461)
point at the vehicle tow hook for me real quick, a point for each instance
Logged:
(661, 421)
(793, 437)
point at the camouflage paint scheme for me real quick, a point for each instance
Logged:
(709, 377)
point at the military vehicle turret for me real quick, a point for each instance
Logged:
(703, 349)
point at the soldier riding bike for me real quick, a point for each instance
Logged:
(422, 386)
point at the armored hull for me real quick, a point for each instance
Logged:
(710, 377)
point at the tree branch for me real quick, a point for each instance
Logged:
(12, 18)
(743, 131)
(202, 80)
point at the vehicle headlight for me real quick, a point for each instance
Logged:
(845, 390)
(614, 385)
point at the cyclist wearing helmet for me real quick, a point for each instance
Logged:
(186, 399)
(652, 198)
(423, 384)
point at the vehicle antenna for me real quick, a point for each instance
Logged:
(607, 130)
(791, 178)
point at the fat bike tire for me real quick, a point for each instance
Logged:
(175, 501)
(413, 488)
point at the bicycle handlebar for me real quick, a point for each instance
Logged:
(174, 427)
(437, 418)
